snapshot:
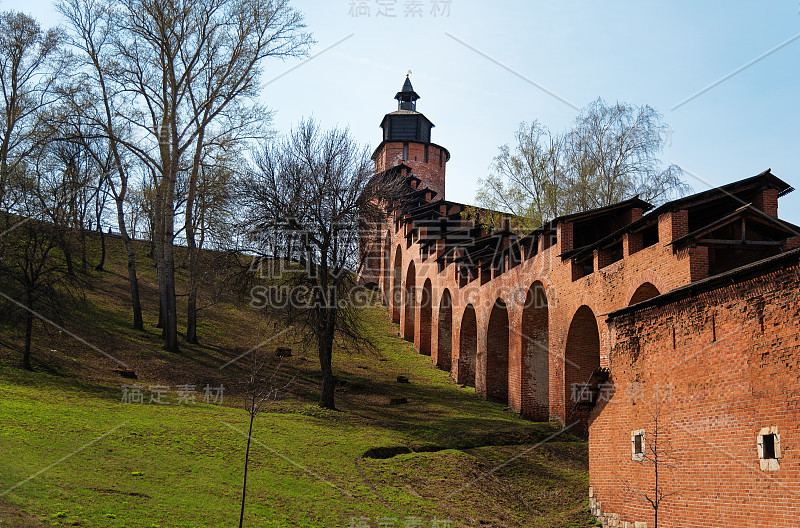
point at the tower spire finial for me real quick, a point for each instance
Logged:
(407, 97)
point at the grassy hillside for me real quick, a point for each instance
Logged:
(96, 460)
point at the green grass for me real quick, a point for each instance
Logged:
(180, 465)
(76, 455)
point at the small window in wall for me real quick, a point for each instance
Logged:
(615, 253)
(637, 445)
(550, 240)
(405, 151)
(462, 273)
(769, 448)
(650, 236)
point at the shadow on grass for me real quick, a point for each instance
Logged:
(44, 377)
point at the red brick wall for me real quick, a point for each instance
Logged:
(609, 287)
(673, 225)
(715, 369)
(727, 360)
(768, 202)
(431, 172)
(631, 243)
(603, 291)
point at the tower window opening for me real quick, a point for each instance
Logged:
(769, 449)
(768, 441)
(637, 445)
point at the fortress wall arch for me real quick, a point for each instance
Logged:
(395, 296)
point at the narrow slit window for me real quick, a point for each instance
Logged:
(769, 448)
(637, 445)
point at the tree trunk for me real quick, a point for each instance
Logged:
(26, 355)
(157, 247)
(326, 396)
(191, 242)
(246, 461)
(133, 280)
(119, 199)
(167, 271)
(102, 262)
(170, 302)
(160, 323)
(84, 260)
(162, 292)
(325, 346)
(165, 261)
(191, 303)
(191, 310)
(170, 158)
(68, 259)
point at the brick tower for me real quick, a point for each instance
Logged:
(407, 140)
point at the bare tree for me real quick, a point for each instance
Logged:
(610, 154)
(615, 149)
(213, 229)
(34, 268)
(100, 103)
(74, 191)
(317, 188)
(528, 182)
(27, 74)
(100, 202)
(188, 75)
(140, 216)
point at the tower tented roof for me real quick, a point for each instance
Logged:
(407, 90)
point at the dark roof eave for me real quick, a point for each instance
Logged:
(630, 202)
(394, 169)
(745, 210)
(433, 206)
(765, 178)
(651, 217)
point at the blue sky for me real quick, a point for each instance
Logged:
(656, 53)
